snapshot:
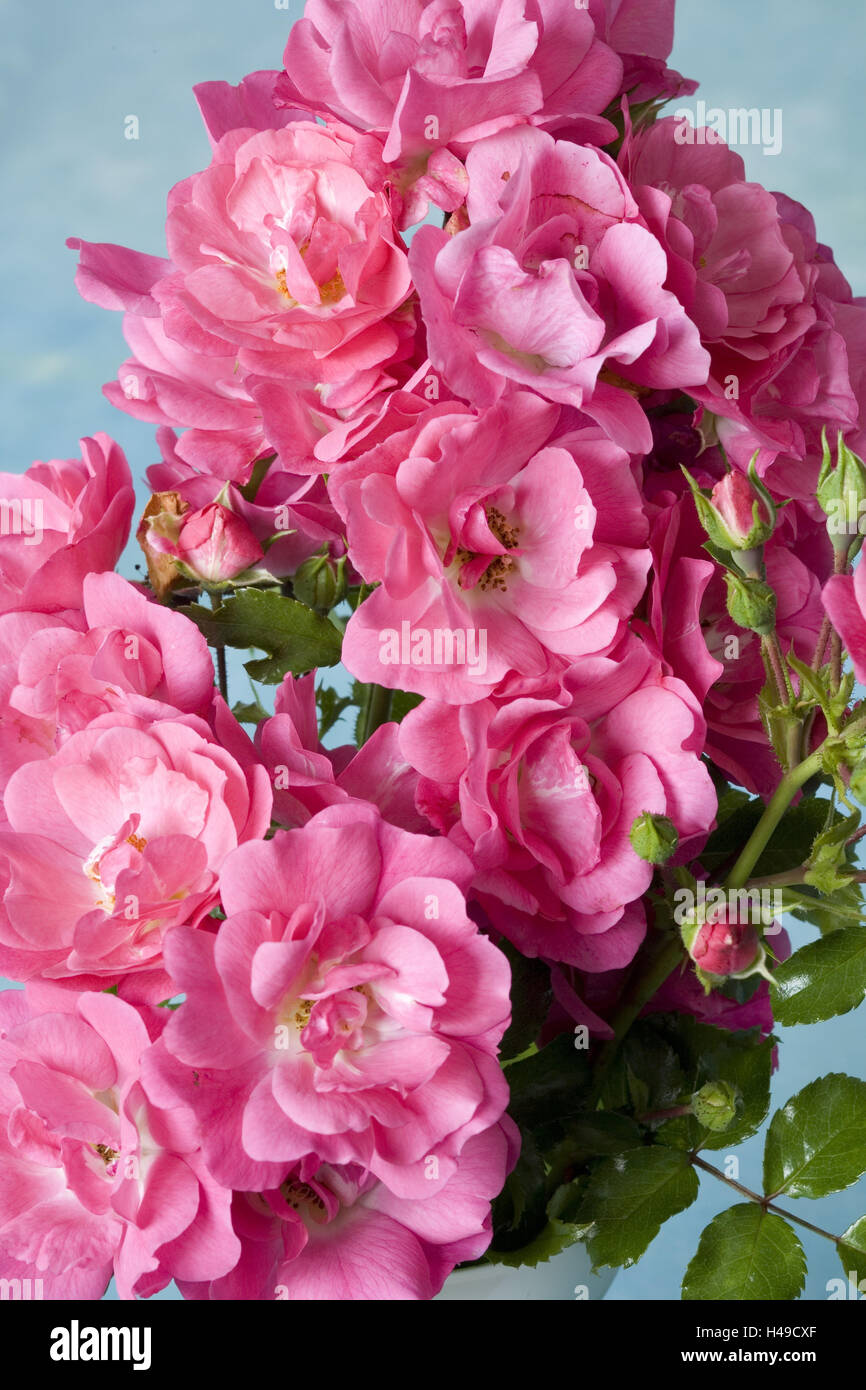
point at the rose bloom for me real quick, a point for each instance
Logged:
(777, 316)
(96, 1179)
(542, 793)
(65, 519)
(553, 280)
(115, 839)
(121, 652)
(333, 1232)
(431, 79)
(285, 266)
(453, 516)
(347, 1007)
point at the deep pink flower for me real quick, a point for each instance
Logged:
(60, 521)
(556, 284)
(334, 1232)
(346, 1008)
(542, 794)
(96, 1179)
(432, 79)
(480, 576)
(786, 337)
(115, 839)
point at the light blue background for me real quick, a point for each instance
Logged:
(72, 73)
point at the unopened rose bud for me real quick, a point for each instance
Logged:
(720, 948)
(715, 1105)
(751, 603)
(216, 545)
(746, 508)
(320, 582)
(653, 838)
(739, 514)
(841, 494)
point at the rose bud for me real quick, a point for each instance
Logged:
(721, 949)
(216, 545)
(653, 838)
(738, 516)
(841, 494)
(157, 535)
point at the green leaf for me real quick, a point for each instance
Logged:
(823, 979)
(817, 1142)
(251, 713)
(331, 706)
(646, 1073)
(629, 1197)
(402, 702)
(531, 994)
(791, 844)
(520, 1211)
(852, 1249)
(737, 816)
(552, 1082)
(559, 1232)
(295, 638)
(744, 1254)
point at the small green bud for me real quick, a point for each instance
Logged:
(320, 583)
(841, 494)
(715, 1105)
(653, 838)
(751, 603)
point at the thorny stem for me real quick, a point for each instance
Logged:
(766, 1202)
(773, 655)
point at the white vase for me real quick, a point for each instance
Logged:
(567, 1276)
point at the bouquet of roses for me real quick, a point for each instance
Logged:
(567, 478)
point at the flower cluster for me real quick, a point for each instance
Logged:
(266, 984)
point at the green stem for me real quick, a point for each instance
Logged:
(375, 710)
(646, 980)
(764, 1202)
(783, 880)
(775, 809)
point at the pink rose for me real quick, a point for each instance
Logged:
(307, 777)
(542, 794)
(555, 278)
(286, 265)
(453, 516)
(116, 838)
(62, 520)
(284, 250)
(123, 652)
(346, 1008)
(98, 1180)
(334, 1232)
(432, 79)
(786, 338)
